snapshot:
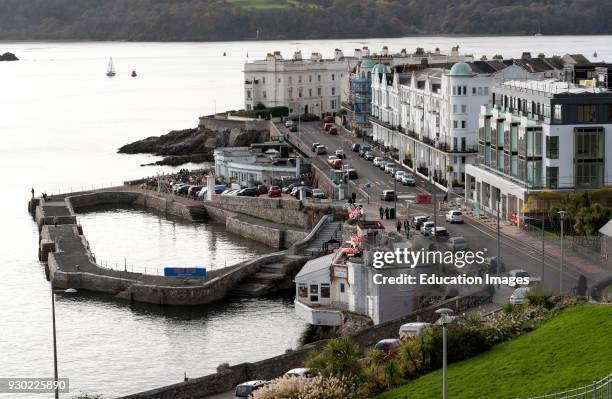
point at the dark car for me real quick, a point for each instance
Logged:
(183, 190)
(329, 119)
(248, 192)
(369, 156)
(287, 189)
(275, 191)
(263, 189)
(333, 130)
(246, 389)
(356, 147)
(365, 148)
(352, 174)
(293, 128)
(418, 221)
(387, 195)
(314, 146)
(390, 346)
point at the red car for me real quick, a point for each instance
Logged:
(327, 126)
(390, 346)
(333, 130)
(275, 191)
(336, 164)
(329, 119)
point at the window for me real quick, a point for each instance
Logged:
(464, 108)
(552, 176)
(455, 143)
(485, 91)
(342, 289)
(333, 104)
(248, 107)
(558, 117)
(333, 89)
(463, 160)
(318, 78)
(302, 290)
(263, 79)
(454, 124)
(589, 157)
(586, 113)
(300, 92)
(325, 290)
(473, 90)
(333, 77)
(552, 147)
(463, 124)
(265, 95)
(300, 79)
(463, 144)
(309, 92)
(248, 93)
(319, 91)
(609, 112)
(279, 80)
(454, 108)
(465, 90)
(309, 78)
(290, 91)
(290, 79)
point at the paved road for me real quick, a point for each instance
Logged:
(480, 236)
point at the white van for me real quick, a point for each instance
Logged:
(412, 330)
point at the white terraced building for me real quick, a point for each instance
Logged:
(429, 118)
(306, 86)
(540, 135)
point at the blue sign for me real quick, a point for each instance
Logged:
(184, 271)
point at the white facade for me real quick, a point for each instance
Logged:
(314, 85)
(244, 167)
(540, 135)
(429, 119)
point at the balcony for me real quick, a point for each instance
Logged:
(389, 126)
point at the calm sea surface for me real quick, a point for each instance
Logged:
(61, 121)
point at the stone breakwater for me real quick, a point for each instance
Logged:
(71, 263)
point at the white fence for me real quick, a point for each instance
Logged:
(601, 389)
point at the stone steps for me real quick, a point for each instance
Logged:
(270, 277)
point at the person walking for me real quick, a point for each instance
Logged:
(382, 212)
(407, 228)
(399, 226)
(387, 213)
(32, 192)
(354, 196)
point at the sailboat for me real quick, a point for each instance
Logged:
(539, 32)
(134, 73)
(110, 72)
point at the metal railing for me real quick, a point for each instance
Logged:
(601, 389)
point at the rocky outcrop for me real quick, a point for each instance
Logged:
(8, 57)
(193, 145)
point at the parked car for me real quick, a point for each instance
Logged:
(519, 295)
(183, 189)
(412, 330)
(318, 193)
(336, 164)
(454, 217)
(287, 189)
(193, 189)
(274, 192)
(426, 227)
(306, 190)
(333, 130)
(418, 221)
(518, 273)
(491, 263)
(364, 148)
(332, 158)
(387, 195)
(356, 147)
(327, 126)
(293, 128)
(340, 154)
(457, 244)
(321, 150)
(399, 174)
(263, 189)
(176, 186)
(248, 192)
(303, 372)
(391, 169)
(382, 165)
(369, 156)
(352, 174)
(377, 161)
(314, 146)
(289, 123)
(389, 346)
(408, 179)
(246, 389)
(329, 119)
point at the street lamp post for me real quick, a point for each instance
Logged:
(444, 314)
(55, 374)
(562, 215)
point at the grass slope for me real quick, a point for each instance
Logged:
(571, 349)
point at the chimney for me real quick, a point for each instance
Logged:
(297, 56)
(358, 54)
(315, 57)
(338, 54)
(366, 51)
(601, 74)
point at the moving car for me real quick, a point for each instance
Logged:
(519, 295)
(340, 154)
(389, 346)
(321, 150)
(275, 191)
(356, 147)
(246, 389)
(314, 146)
(369, 156)
(318, 193)
(408, 179)
(457, 244)
(426, 227)
(454, 217)
(418, 221)
(333, 130)
(412, 330)
(439, 231)
(518, 273)
(387, 195)
(303, 372)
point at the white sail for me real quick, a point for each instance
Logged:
(111, 68)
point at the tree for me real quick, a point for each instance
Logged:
(339, 358)
(590, 219)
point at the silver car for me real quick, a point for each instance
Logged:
(457, 244)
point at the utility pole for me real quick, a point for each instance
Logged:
(562, 214)
(435, 212)
(498, 237)
(543, 253)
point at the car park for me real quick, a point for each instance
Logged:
(318, 193)
(369, 156)
(356, 147)
(387, 195)
(340, 154)
(418, 221)
(321, 150)
(408, 179)
(314, 146)
(352, 174)
(302, 372)
(333, 130)
(412, 330)
(246, 389)
(457, 244)
(519, 295)
(275, 192)
(389, 346)
(454, 217)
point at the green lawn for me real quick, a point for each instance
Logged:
(571, 349)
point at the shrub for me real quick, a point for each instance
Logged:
(540, 296)
(310, 388)
(383, 372)
(339, 357)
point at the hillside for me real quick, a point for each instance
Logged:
(209, 20)
(569, 350)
